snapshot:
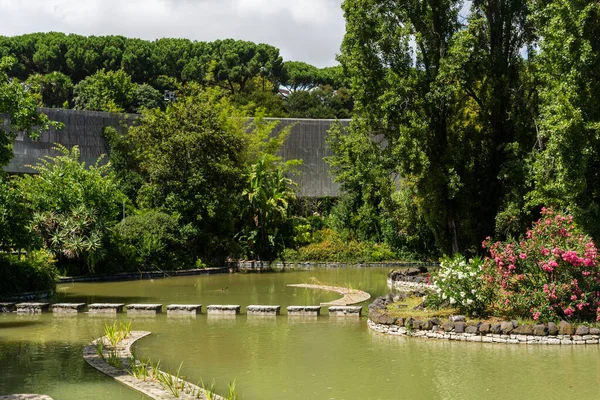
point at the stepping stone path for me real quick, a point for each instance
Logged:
(257, 310)
(184, 309)
(7, 307)
(216, 309)
(143, 309)
(348, 311)
(304, 311)
(105, 308)
(32, 308)
(67, 308)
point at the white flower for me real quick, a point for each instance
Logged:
(438, 290)
(443, 296)
(473, 291)
(469, 302)
(462, 294)
(452, 301)
(473, 273)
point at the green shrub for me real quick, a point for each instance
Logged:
(35, 273)
(329, 246)
(459, 284)
(148, 241)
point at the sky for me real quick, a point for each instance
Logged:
(303, 30)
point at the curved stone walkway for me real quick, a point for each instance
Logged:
(351, 296)
(25, 397)
(149, 387)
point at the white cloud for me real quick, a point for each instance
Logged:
(306, 30)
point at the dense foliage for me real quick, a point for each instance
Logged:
(71, 207)
(114, 73)
(191, 158)
(148, 241)
(481, 115)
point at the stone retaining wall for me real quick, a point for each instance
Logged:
(402, 285)
(136, 276)
(488, 338)
(267, 266)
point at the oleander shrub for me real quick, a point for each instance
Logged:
(552, 273)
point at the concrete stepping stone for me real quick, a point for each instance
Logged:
(32, 308)
(184, 309)
(345, 311)
(304, 311)
(105, 308)
(7, 307)
(143, 309)
(229, 309)
(262, 310)
(67, 308)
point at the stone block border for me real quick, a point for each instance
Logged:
(25, 397)
(506, 332)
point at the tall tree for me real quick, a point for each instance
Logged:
(298, 75)
(451, 97)
(236, 62)
(191, 157)
(17, 112)
(111, 91)
(567, 160)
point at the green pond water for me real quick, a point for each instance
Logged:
(281, 358)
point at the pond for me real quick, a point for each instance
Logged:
(280, 358)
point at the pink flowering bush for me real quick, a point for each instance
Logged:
(553, 273)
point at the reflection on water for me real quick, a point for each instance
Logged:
(283, 357)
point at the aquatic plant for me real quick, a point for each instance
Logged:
(99, 346)
(139, 368)
(114, 360)
(232, 394)
(170, 382)
(155, 369)
(116, 332)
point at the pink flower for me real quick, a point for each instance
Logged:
(536, 315)
(523, 256)
(547, 268)
(569, 311)
(573, 297)
(545, 251)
